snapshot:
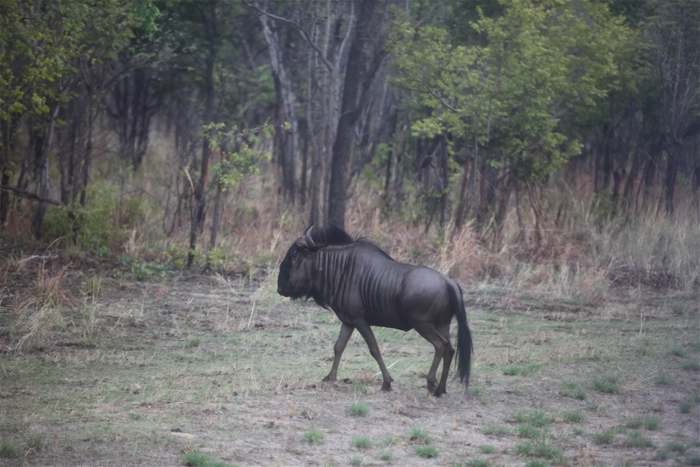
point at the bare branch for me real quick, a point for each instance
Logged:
(301, 30)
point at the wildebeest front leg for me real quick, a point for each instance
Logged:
(345, 333)
(368, 335)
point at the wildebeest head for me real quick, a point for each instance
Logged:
(294, 278)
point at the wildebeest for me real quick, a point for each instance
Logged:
(365, 287)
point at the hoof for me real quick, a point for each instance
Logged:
(431, 387)
(328, 379)
(386, 386)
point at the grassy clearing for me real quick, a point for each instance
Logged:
(143, 372)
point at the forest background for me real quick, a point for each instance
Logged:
(549, 142)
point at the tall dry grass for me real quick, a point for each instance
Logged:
(559, 246)
(39, 308)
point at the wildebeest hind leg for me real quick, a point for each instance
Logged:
(345, 333)
(368, 335)
(447, 358)
(432, 335)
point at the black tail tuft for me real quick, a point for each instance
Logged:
(464, 336)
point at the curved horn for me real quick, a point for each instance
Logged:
(309, 241)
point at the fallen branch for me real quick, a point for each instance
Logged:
(29, 195)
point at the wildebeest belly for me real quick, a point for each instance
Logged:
(382, 321)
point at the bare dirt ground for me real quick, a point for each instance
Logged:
(144, 373)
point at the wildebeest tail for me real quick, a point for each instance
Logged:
(464, 336)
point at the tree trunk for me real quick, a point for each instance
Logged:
(38, 219)
(88, 152)
(201, 189)
(349, 111)
(5, 167)
(670, 182)
(287, 111)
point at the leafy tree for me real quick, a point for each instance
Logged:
(505, 100)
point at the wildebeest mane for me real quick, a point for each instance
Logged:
(330, 236)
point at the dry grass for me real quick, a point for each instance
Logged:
(568, 250)
(39, 308)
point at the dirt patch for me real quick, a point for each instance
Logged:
(208, 364)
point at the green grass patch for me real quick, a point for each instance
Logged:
(540, 449)
(491, 430)
(686, 406)
(314, 436)
(536, 418)
(635, 439)
(674, 446)
(358, 410)
(8, 449)
(486, 449)
(663, 380)
(356, 460)
(648, 422)
(534, 463)
(419, 436)
(194, 341)
(695, 345)
(197, 459)
(574, 417)
(517, 370)
(529, 431)
(691, 365)
(478, 463)
(428, 452)
(573, 390)
(677, 351)
(693, 460)
(361, 442)
(607, 385)
(385, 456)
(604, 437)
